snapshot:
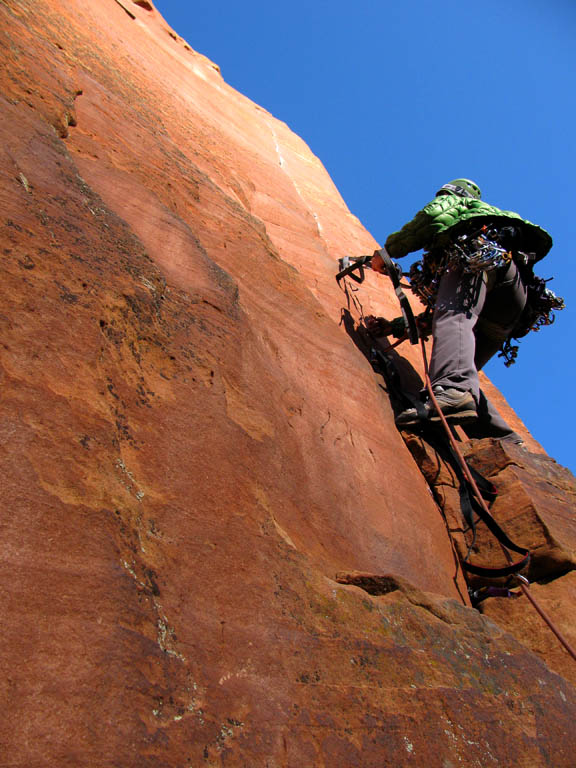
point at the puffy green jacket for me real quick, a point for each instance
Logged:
(448, 215)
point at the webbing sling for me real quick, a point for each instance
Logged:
(394, 273)
(351, 265)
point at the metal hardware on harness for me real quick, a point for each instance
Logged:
(424, 281)
(540, 304)
(544, 303)
(522, 579)
(349, 265)
(478, 595)
(471, 253)
(476, 253)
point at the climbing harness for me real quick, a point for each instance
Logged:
(476, 488)
(471, 254)
(478, 252)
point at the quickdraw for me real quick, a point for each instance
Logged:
(477, 253)
(350, 265)
(541, 302)
(472, 254)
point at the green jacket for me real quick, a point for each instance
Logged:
(447, 215)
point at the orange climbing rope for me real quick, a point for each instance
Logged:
(522, 582)
(414, 336)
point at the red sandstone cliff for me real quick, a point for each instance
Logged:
(192, 447)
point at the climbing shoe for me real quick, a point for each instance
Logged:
(413, 416)
(457, 406)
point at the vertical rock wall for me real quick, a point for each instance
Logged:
(193, 449)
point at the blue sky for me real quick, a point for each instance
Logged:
(398, 97)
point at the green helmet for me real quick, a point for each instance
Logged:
(462, 187)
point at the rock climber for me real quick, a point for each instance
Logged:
(479, 300)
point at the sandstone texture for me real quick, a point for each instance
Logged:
(217, 550)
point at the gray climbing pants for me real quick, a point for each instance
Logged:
(469, 328)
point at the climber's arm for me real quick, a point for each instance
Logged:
(422, 229)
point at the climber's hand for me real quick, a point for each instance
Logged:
(378, 326)
(424, 323)
(377, 263)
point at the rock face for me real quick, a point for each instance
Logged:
(217, 549)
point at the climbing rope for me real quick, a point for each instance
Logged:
(505, 543)
(522, 581)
